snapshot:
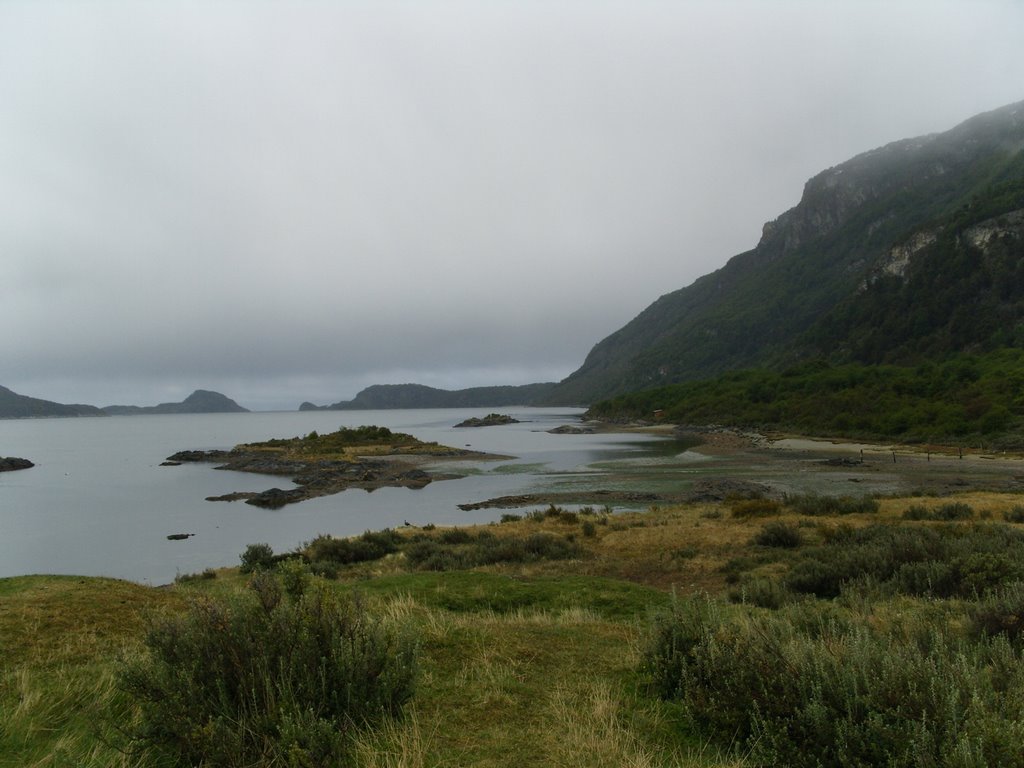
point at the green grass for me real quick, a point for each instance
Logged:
(482, 592)
(541, 662)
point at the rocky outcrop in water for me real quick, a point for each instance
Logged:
(314, 478)
(490, 420)
(11, 464)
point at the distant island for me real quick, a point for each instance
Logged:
(15, 406)
(388, 396)
(200, 401)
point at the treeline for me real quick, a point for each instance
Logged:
(964, 398)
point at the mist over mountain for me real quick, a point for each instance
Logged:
(911, 251)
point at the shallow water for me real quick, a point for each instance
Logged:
(98, 503)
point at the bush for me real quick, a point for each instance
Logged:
(455, 536)
(764, 593)
(371, 545)
(813, 505)
(185, 578)
(1001, 613)
(486, 549)
(256, 557)
(325, 569)
(744, 508)
(947, 561)
(778, 534)
(1014, 515)
(294, 577)
(791, 689)
(259, 679)
(952, 511)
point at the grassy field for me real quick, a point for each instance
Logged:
(534, 657)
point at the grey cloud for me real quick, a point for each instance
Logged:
(321, 195)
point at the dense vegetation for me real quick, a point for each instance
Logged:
(271, 676)
(911, 654)
(967, 398)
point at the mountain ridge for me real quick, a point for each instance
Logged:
(200, 401)
(15, 406)
(769, 305)
(391, 396)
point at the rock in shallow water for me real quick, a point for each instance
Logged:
(10, 464)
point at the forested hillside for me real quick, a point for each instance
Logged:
(908, 253)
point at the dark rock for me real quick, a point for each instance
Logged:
(415, 478)
(842, 461)
(490, 420)
(235, 496)
(571, 429)
(182, 457)
(10, 464)
(275, 498)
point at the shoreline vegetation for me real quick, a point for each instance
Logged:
(760, 626)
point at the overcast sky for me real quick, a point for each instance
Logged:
(291, 201)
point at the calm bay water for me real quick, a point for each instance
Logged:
(98, 503)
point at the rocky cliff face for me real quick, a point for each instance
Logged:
(858, 225)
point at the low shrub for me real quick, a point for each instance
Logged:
(455, 536)
(256, 557)
(778, 534)
(262, 679)
(814, 505)
(947, 512)
(371, 545)
(1001, 612)
(487, 549)
(947, 561)
(325, 569)
(763, 593)
(1015, 514)
(295, 576)
(185, 578)
(745, 508)
(791, 691)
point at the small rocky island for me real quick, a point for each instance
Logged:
(363, 457)
(11, 464)
(490, 420)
